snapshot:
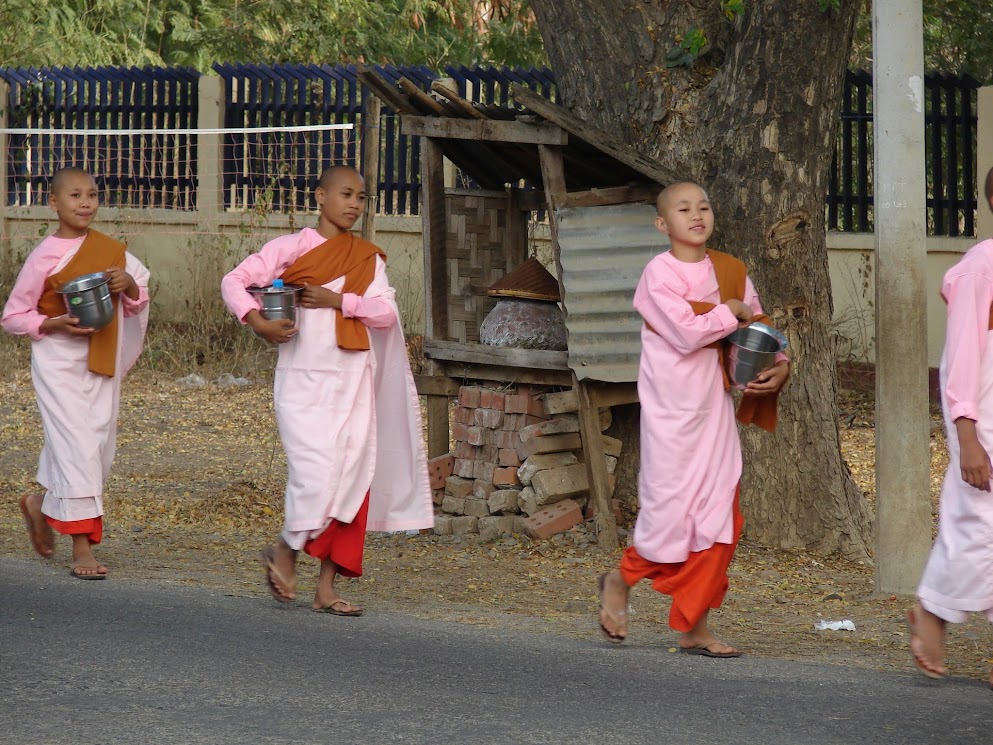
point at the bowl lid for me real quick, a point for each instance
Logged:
(530, 280)
(271, 290)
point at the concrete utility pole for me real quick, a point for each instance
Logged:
(903, 507)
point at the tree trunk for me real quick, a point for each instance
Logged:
(753, 121)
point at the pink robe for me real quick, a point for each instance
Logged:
(958, 577)
(78, 408)
(690, 452)
(328, 403)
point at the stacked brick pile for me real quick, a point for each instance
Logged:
(518, 464)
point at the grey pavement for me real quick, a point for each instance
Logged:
(129, 662)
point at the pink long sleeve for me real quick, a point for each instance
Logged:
(20, 314)
(375, 308)
(672, 317)
(969, 296)
(260, 269)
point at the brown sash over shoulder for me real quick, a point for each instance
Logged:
(342, 256)
(98, 253)
(731, 273)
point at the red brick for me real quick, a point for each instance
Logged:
(465, 451)
(483, 470)
(553, 519)
(507, 457)
(464, 415)
(469, 396)
(506, 439)
(460, 432)
(463, 468)
(506, 477)
(549, 444)
(488, 452)
(536, 408)
(489, 418)
(439, 469)
(474, 435)
(490, 399)
(516, 404)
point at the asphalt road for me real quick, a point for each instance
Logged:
(123, 662)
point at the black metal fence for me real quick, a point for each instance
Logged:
(275, 170)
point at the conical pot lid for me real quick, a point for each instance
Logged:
(530, 280)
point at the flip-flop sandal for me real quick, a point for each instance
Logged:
(911, 620)
(705, 651)
(74, 572)
(268, 563)
(333, 610)
(612, 638)
(39, 546)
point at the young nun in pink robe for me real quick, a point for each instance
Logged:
(688, 524)
(958, 577)
(76, 372)
(345, 400)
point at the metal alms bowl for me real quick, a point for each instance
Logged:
(87, 298)
(278, 301)
(751, 350)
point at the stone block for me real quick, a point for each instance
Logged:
(483, 471)
(457, 486)
(476, 508)
(464, 525)
(612, 446)
(503, 502)
(443, 524)
(469, 396)
(483, 489)
(474, 435)
(543, 462)
(555, 484)
(527, 502)
(611, 464)
(493, 527)
(558, 426)
(437, 496)
(557, 518)
(508, 458)
(549, 444)
(606, 418)
(519, 524)
(563, 402)
(506, 477)
(453, 505)
(488, 452)
(464, 468)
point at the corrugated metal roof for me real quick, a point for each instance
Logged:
(603, 252)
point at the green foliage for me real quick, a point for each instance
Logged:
(826, 5)
(693, 46)
(197, 33)
(733, 8)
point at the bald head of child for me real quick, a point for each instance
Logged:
(73, 195)
(340, 196)
(685, 216)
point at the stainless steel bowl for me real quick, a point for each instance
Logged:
(88, 298)
(751, 350)
(278, 301)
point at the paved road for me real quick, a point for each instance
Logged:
(123, 662)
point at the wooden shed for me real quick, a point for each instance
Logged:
(538, 157)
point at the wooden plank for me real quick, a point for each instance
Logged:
(615, 195)
(445, 87)
(553, 178)
(485, 130)
(434, 227)
(598, 138)
(422, 100)
(613, 394)
(515, 235)
(561, 402)
(436, 385)
(487, 355)
(370, 165)
(596, 468)
(503, 374)
(386, 91)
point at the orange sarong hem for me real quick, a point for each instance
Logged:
(342, 543)
(91, 527)
(695, 585)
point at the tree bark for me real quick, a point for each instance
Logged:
(753, 121)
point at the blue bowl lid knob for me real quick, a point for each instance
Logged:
(277, 283)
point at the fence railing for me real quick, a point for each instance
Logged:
(271, 170)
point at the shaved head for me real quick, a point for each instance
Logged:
(666, 195)
(332, 174)
(60, 177)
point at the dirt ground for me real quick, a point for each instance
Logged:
(197, 488)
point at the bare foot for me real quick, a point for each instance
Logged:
(280, 567)
(927, 642)
(42, 536)
(613, 593)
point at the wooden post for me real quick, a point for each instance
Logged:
(434, 217)
(984, 158)
(370, 165)
(4, 160)
(553, 176)
(210, 154)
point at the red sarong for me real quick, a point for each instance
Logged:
(695, 585)
(342, 543)
(91, 527)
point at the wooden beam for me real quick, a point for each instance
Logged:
(435, 225)
(439, 437)
(370, 165)
(484, 130)
(446, 88)
(503, 373)
(454, 351)
(614, 195)
(385, 90)
(596, 468)
(436, 385)
(598, 138)
(421, 99)
(613, 394)
(553, 177)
